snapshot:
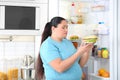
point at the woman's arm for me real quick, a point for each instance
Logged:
(84, 58)
(62, 65)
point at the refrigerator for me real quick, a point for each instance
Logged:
(83, 18)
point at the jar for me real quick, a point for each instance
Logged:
(80, 20)
(12, 74)
(105, 53)
(12, 68)
(3, 75)
(75, 44)
(99, 53)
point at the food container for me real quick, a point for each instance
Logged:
(12, 74)
(27, 73)
(3, 75)
(12, 68)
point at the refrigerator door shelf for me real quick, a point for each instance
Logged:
(93, 76)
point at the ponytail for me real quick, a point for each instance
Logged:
(39, 64)
(46, 32)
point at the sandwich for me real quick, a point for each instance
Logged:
(90, 39)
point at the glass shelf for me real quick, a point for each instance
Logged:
(98, 59)
(93, 76)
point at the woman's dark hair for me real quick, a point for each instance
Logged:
(46, 33)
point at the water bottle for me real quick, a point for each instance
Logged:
(73, 17)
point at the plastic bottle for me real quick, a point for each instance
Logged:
(102, 28)
(73, 16)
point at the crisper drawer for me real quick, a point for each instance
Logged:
(92, 76)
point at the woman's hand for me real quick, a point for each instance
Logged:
(84, 48)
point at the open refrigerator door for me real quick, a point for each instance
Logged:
(90, 17)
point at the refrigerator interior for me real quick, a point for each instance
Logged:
(91, 12)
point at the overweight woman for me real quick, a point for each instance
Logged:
(58, 58)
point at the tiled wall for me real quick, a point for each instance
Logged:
(18, 47)
(12, 52)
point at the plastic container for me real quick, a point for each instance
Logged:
(12, 74)
(3, 75)
(13, 68)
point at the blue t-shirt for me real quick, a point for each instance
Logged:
(50, 50)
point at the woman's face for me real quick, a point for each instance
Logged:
(61, 30)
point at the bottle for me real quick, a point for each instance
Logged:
(73, 15)
(99, 52)
(105, 53)
(102, 28)
(94, 51)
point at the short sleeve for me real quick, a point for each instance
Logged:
(49, 52)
